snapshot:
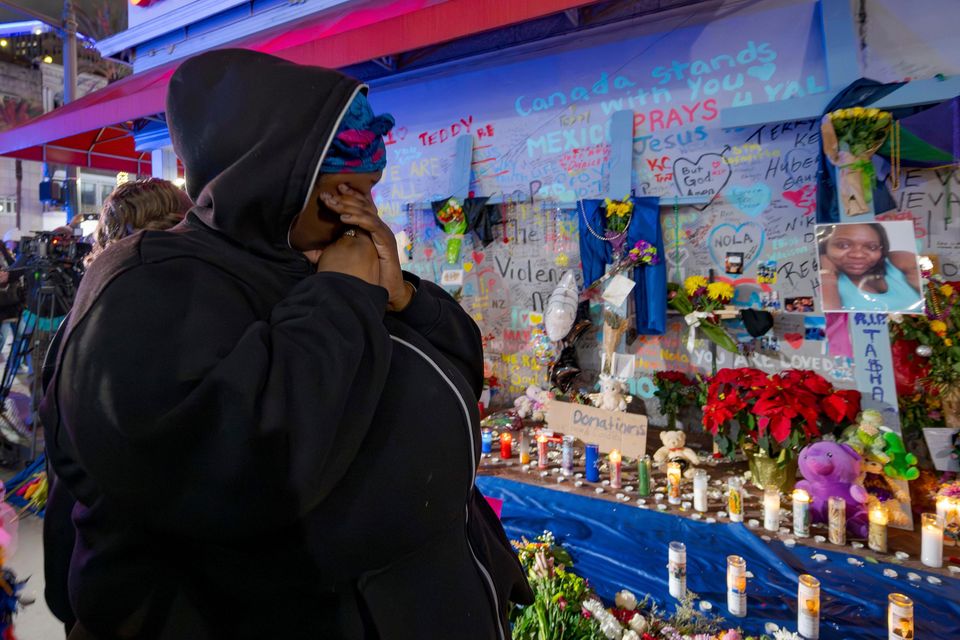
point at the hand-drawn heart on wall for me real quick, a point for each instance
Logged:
(752, 200)
(746, 238)
(707, 176)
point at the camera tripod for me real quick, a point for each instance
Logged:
(34, 331)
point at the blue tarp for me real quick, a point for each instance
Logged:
(619, 546)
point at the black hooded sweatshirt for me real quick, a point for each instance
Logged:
(258, 450)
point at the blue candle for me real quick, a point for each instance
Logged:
(593, 463)
(486, 441)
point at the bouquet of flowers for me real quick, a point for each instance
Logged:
(454, 222)
(850, 138)
(774, 415)
(937, 354)
(642, 254)
(618, 214)
(698, 301)
(675, 390)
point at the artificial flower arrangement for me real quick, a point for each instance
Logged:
(927, 348)
(699, 301)
(850, 138)
(454, 222)
(774, 415)
(675, 391)
(565, 608)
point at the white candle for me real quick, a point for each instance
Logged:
(771, 509)
(801, 513)
(899, 617)
(673, 482)
(877, 533)
(616, 469)
(944, 506)
(931, 540)
(735, 499)
(700, 481)
(737, 586)
(524, 447)
(677, 568)
(808, 607)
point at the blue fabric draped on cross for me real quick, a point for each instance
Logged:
(650, 294)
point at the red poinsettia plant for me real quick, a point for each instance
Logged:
(777, 413)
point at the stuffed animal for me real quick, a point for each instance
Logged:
(674, 449)
(611, 396)
(533, 404)
(833, 469)
(902, 465)
(866, 436)
(882, 490)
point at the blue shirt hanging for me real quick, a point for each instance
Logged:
(650, 294)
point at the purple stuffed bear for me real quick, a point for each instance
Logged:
(832, 469)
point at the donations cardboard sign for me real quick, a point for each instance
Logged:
(626, 432)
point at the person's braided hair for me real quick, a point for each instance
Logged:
(145, 203)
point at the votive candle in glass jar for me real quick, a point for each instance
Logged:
(735, 499)
(931, 540)
(616, 469)
(700, 480)
(737, 586)
(801, 513)
(899, 617)
(808, 607)
(677, 568)
(877, 533)
(837, 520)
(673, 482)
(771, 509)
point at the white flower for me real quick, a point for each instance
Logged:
(784, 634)
(630, 634)
(625, 600)
(897, 317)
(638, 623)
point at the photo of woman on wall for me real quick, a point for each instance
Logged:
(869, 267)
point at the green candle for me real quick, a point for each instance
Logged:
(643, 476)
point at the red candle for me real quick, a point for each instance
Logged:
(542, 452)
(506, 445)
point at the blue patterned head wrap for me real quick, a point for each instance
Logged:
(358, 146)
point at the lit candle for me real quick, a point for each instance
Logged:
(771, 509)
(592, 462)
(944, 507)
(899, 617)
(677, 567)
(566, 459)
(737, 586)
(644, 471)
(808, 607)
(673, 482)
(700, 480)
(877, 534)
(541, 452)
(801, 513)
(506, 445)
(615, 469)
(931, 540)
(735, 499)
(838, 520)
(486, 440)
(524, 447)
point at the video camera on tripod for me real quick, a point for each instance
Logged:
(51, 265)
(50, 249)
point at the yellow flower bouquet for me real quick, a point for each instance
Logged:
(698, 300)
(850, 138)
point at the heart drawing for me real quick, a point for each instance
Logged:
(746, 238)
(752, 200)
(707, 176)
(795, 340)
(762, 71)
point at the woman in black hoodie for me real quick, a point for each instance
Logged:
(262, 447)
